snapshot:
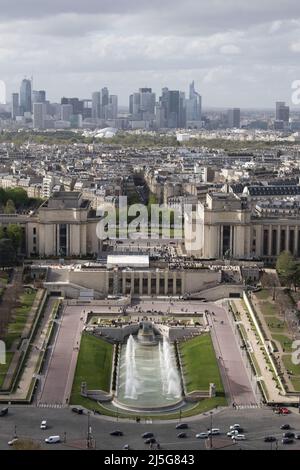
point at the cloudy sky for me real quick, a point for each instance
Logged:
(239, 52)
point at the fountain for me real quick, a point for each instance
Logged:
(148, 375)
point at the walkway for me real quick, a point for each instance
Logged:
(57, 385)
(232, 367)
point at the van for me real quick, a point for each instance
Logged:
(52, 439)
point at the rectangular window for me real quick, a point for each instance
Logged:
(292, 241)
(226, 239)
(265, 242)
(282, 241)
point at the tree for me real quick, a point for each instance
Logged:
(7, 253)
(10, 207)
(15, 234)
(287, 268)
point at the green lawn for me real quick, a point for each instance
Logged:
(200, 364)
(285, 341)
(289, 365)
(263, 294)
(4, 367)
(94, 366)
(268, 309)
(20, 314)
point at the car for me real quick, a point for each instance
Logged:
(233, 432)
(146, 435)
(285, 411)
(214, 432)
(181, 426)
(11, 443)
(116, 433)
(181, 435)
(234, 426)
(297, 436)
(287, 440)
(3, 412)
(43, 424)
(288, 434)
(79, 411)
(238, 437)
(285, 426)
(270, 439)
(150, 440)
(202, 435)
(52, 440)
(126, 447)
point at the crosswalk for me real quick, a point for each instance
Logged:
(247, 406)
(50, 405)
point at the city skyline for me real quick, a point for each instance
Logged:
(237, 54)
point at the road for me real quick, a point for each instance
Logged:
(257, 424)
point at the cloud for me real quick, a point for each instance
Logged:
(235, 50)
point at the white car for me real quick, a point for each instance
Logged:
(11, 443)
(234, 432)
(239, 437)
(234, 426)
(202, 435)
(43, 424)
(52, 439)
(214, 432)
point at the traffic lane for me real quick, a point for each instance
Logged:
(256, 423)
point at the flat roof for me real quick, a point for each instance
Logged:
(141, 261)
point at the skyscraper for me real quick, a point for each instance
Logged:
(282, 112)
(66, 112)
(38, 96)
(15, 105)
(193, 105)
(172, 108)
(96, 105)
(113, 106)
(25, 96)
(104, 102)
(234, 118)
(39, 115)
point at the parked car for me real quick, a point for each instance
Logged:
(285, 426)
(182, 435)
(181, 426)
(202, 435)
(146, 435)
(297, 436)
(52, 439)
(285, 411)
(270, 439)
(3, 412)
(11, 443)
(43, 424)
(287, 440)
(79, 411)
(116, 433)
(239, 437)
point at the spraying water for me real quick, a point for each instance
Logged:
(148, 375)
